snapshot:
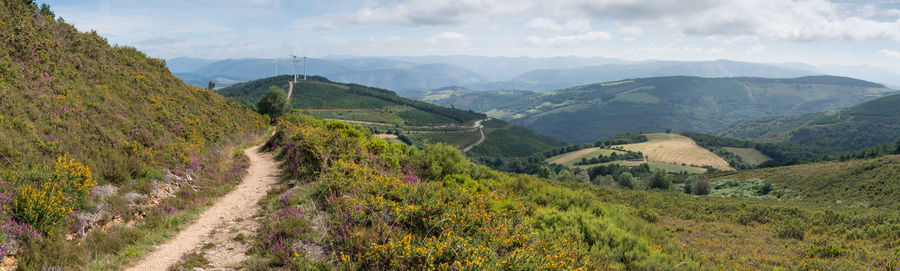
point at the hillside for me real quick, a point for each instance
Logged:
(89, 136)
(466, 99)
(388, 203)
(322, 97)
(383, 111)
(679, 103)
(849, 129)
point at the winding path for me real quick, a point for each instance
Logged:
(239, 203)
(480, 130)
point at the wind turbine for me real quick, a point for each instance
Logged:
(296, 66)
(304, 68)
(275, 61)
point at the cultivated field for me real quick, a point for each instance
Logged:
(569, 159)
(751, 156)
(675, 148)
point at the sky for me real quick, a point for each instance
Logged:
(817, 32)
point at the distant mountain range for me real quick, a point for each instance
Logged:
(678, 103)
(405, 74)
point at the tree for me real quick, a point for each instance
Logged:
(211, 85)
(897, 151)
(700, 186)
(660, 180)
(544, 172)
(45, 10)
(765, 188)
(625, 180)
(689, 185)
(273, 103)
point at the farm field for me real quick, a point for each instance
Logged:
(751, 156)
(675, 148)
(569, 159)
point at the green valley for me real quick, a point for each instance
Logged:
(678, 103)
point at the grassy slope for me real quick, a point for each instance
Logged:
(587, 113)
(857, 127)
(507, 140)
(749, 155)
(376, 209)
(873, 182)
(330, 99)
(116, 111)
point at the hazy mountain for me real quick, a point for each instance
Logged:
(504, 68)
(680, 103)
(545, 80)
(186, 64)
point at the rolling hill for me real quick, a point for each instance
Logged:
(853, 128)
(382, 110)
(680, 103)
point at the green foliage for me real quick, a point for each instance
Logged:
(660, 180)
(273, 103)
(211, 85)
(793, 229)
(439, 160)
(625, 180)
(700, 186)
(765, 188)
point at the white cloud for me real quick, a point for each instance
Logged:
(575, 25)
(631, 30)
(890, 53)
(570, 39)
(436, 12)
(757, 49)
(447, 36)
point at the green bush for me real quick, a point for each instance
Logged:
(660, 180)
(626, 180)
(273, 104)
(700, 186)
(765, 188)
(794, 229)
(439, 160)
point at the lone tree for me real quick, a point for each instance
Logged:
(660, 180)
(273, 103)
(626, 180)
(211, 85)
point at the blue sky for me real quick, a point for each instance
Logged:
(810, 31)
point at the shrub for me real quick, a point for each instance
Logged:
(660, 180)
(765, 188)
(701, 186)
(625, 180)
(790, 229)
(50, 194)
(439, 160)
(273, 104)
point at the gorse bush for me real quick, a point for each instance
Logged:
(49, 195)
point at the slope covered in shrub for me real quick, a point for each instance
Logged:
(76, 112)
(358, 202)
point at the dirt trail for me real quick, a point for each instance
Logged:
(480, 130)
(236, 205)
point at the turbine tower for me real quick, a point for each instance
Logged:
(304, 68)
(296, 66)
(275, 61)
